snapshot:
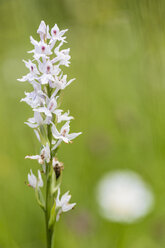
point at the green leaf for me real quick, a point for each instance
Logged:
(43, 135)
(52, 215)
(54, 152)
(40, 198)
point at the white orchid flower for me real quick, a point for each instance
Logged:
(33, 181)
(50, 109)
(62, 56)
(35, 98)
(63, 135)
(48, 68)
(48, 71)
(57, 34)
(44, 155)
(63, 205)
(35, 121)
(43, 31)
(63, 117)
(32, 75)
(61, 82)
(41, 49)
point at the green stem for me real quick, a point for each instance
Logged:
(48, 205)
(49, 232)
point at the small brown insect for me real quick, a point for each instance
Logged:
(42, 156)
(58, 167)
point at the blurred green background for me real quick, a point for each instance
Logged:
(118, 100)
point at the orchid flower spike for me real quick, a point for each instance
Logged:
(50, 123)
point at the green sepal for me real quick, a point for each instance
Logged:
(54, 152)
(40, 198)
(52, 215)
(54, 183)
(43, 135)
(58, 94)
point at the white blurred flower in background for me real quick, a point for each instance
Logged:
(124, 197)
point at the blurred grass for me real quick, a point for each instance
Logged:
(118, 101)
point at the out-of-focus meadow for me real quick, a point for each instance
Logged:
(118, 100)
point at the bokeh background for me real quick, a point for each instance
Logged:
(118, 100)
